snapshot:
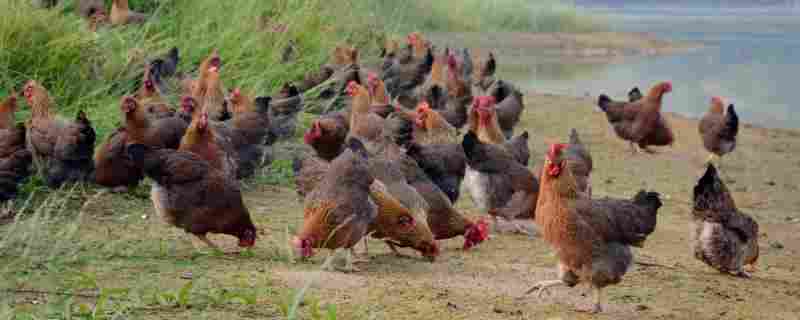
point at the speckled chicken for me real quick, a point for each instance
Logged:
(723, 237)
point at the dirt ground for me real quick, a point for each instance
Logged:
(487, 282)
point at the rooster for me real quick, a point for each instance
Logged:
(15, 158)
(640, 122)
(591, 238)
(121, 14)
(718, 129)
(723, 237)
(190, 194)
(61, 149)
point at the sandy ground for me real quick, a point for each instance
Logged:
(486, 283)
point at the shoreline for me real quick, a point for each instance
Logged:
(592, 47)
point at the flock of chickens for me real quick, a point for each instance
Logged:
(390, 165)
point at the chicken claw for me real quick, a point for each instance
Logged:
(743, 274)
(595, 307)
(543, 286)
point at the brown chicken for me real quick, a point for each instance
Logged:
(718, 129)
(211, 96)
(459, 94)
(591, 238)
(364, 125)
(15, 159)
(204, 140)
(338, 212)
(580, 162)
(190, 85)
(113, 168)
(505, 187)
(327, 134)
(379, 99)
(431, 128)
(723, 237)
(640, 122)
(444, 220)
(61, 149)
(121, 14)
(483, 120)
(190, 194)
(508, 107)
(141, 127)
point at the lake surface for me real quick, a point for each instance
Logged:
(751, 57)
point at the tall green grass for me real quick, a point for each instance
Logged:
(486, 15)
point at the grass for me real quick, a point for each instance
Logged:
(491, 15)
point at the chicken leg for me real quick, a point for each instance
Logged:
(543, 286)
(208, 242)
(596, 306)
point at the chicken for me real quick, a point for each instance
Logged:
(434, 90)
(122, 15)
(398, 226)
(640, 122)
(165, 66)
(483, 120)
(190, 194)
(97, 18)
(444, 220)
(634, 95)
(459, 93)
(484, 77)
(284, 110)
(403, 77)
(203, 139)
(580, 163)
(723, 237)
(718, 129)
(142, 128)
(61, 149)
(379, 99)
(364, 125)
(190, 85)
(444, 164)
(149, 95)
(591, 238)
(15, 158)
(86, 8)
(431, 128)
(338, 212)
(508, 107)
(505, 187)
(327, 134)
(211, 96)
(113, 168)
(248, 131)
(401, 219)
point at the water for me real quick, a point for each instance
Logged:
(751, 57)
